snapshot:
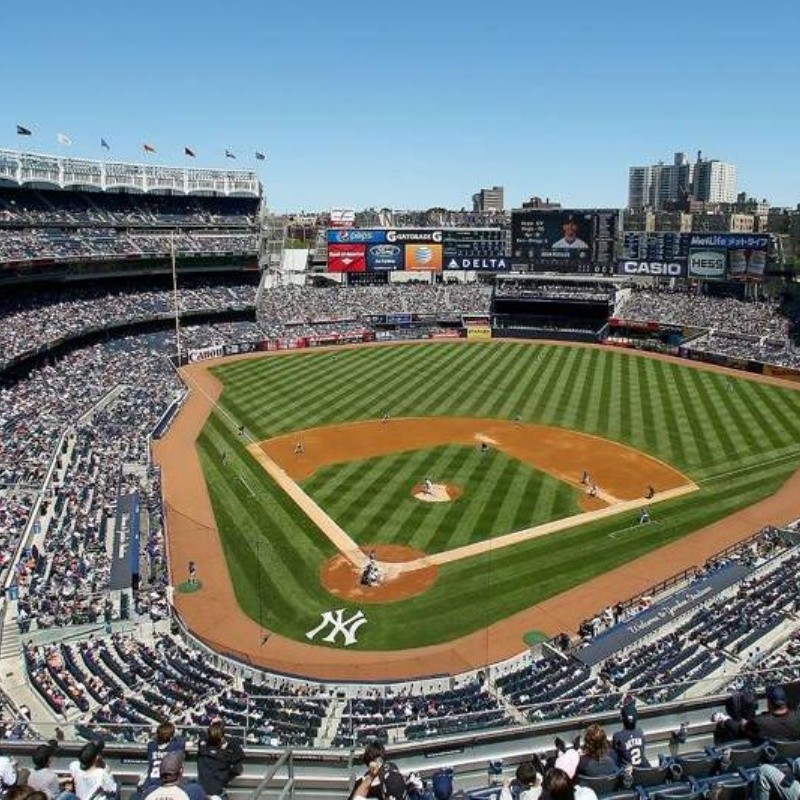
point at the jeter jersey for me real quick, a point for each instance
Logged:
(629, 747)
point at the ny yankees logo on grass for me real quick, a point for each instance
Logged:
(347, 627)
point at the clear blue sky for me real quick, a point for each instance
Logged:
(414, 104)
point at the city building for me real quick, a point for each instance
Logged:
(672, 186)
(488, 199)
(537, 202)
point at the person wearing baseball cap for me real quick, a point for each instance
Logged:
(172, 785)
(777, 722)
(629, 743)
(91, 778)
(570, 240)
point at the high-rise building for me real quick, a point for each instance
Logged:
(662, 186)
(488, 199)
(714, 181)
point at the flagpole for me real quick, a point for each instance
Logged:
(175, 298)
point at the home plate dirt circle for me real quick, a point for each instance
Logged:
(439, 492)
(342, 578)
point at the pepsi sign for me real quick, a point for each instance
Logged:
(355, 236)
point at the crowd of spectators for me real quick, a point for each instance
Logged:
(28, 323)
(688, 308)
(782, 352)
(31, 207)
(309, 304)
(76, 244)
(554, 290)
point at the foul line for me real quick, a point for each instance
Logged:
(754, 466)
(636, 527)
(352, 552)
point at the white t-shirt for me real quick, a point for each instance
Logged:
(575, 244)
(8, 772)
(89, 781)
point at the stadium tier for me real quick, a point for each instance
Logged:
(127, 515)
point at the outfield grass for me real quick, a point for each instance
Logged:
(500, 495)
(737, 439)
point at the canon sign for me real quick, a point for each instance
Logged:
(708, 264)
(668, 269)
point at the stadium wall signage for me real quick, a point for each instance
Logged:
(669, 269)
(708, 264)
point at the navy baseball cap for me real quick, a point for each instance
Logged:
(776, 696)
(628, 714)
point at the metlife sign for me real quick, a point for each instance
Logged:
(729, 241)
(654, 269)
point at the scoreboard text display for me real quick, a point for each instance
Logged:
(563, 240)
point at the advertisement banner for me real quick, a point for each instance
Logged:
(495, 263)
(746, 264)
(355, 236)
(708, 264)
(347, 258)
(414, 235)
(343, 217)
(204, 353)
(384, 257)
(655, 269)
(423, 257)
(729, 241)
(479, 332)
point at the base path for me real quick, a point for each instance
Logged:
(214, 615)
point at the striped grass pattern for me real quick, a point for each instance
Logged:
(737, 439)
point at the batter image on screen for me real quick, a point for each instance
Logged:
(570, 240)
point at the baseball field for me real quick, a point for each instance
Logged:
(317, 478)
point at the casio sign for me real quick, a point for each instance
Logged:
(668, 268)
(707, 264)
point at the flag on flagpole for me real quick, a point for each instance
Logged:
(23, 131)
(228, 154)
(187, 151)
(148, 148)
(260, 156)
(64, 139)
(104, 144)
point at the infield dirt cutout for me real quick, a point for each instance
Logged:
(619, 477)
(436, 493)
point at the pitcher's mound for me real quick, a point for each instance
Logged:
(340, 577)
(439, 492)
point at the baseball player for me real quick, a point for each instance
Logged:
(585, 477)
(650, 493)
(644, 516)
(428, 486)
(299, 449)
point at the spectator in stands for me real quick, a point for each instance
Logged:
(91, 777)
(778, 722)
(219, 759)
(529, 781)
(369, 785)
(596, 760)
(171, 785)
(8, 773)
(629, 743)
(165, 742)
(771, 782)
(44, 778)
(559, 782)
(740, 708)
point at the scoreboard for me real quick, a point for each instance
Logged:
(658, 246)
(576, 241)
